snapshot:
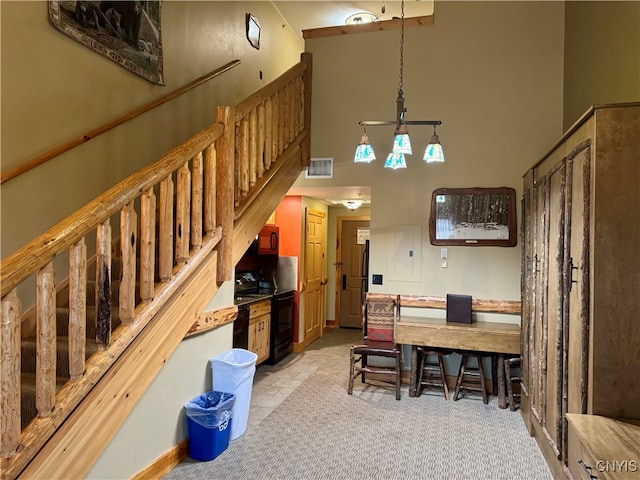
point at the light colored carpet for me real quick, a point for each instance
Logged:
(320, 432)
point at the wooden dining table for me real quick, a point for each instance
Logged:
(496, 338)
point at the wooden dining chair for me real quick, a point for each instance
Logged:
(379, 316)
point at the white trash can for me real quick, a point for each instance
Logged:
(232, 372)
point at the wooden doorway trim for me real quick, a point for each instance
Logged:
(338, 264)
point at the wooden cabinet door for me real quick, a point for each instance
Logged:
(538, 300)
(526, 294)
(262, 337)
(546, 322)
(577, 338)
(259, 336)
(254, 338)
(259, 328)
(554, 324)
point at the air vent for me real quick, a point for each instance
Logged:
(320, 168)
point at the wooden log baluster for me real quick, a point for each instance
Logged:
(128, 245)
(10, 380)
(209, 219)
(165, 240)
(307, 75)
(103, 285)
(183, 214)
(291, 118)
(244, 157)
(282, 114)
(261, 137)
(237, 166)
(268, 134)
(300, 105)
(147, 245)
(77, 308)
(253, 148)
(46, 340)
(224, 181)
(275, 127)
(197, 174)
(295, 106)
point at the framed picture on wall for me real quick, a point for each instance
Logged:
(473, 217)
(129, 33)
(253, 31)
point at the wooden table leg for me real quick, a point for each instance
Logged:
(494, 374)
(502, 399)
(412, 373)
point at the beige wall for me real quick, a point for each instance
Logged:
(492, 72)
(602, 55)
(54, 90)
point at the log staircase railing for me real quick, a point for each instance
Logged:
(170, 217)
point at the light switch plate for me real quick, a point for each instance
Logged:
(444, 253)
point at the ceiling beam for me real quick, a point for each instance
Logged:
(393, 24)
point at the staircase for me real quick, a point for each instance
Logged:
(73, 370)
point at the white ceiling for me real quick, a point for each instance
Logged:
(304, 15)
(334, 195)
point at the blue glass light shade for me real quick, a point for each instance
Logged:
(395, 161)
(402, 144)
(434, 153)
(364, 152)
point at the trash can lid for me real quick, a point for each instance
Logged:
(236, 356)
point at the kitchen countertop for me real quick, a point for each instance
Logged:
(251, 297)
(245, 298)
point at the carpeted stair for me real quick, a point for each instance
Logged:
(28, 347)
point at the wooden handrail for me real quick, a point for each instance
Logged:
(37, 253)
(91, 134)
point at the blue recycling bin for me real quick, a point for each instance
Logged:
(209, 419)
(232, 371)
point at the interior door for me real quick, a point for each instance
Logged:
(314, 274)
(351, 269)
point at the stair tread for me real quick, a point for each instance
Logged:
(62, 342)
(28, 382)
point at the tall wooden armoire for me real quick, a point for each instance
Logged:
(581, 279)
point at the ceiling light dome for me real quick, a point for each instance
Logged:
(360, 18)
(352, 204)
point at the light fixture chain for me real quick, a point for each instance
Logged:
(401, 44)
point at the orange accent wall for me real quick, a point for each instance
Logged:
(289, 219)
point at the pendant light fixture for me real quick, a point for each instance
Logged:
(433, 153)
(364, 152)
(402, 142)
